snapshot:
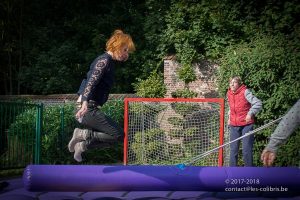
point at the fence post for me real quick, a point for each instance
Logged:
(62, 128)
(39, 123)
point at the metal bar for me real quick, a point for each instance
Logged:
(38, 133)
(222, 116)
(126, 107)
(62, 128)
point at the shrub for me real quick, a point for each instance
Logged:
(147, 145)
(57, 129)
(151, 87)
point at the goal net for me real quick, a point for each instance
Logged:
(160, 131)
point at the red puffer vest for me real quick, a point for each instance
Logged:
(239, 107)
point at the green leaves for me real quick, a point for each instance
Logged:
(153, 86)
(184, 93)
(269, 66)
(147, 145)
(187, 74)
(58, 125)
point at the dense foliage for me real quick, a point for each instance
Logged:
(153, 86)
(46, 48)
(57, 129)
(269, 66)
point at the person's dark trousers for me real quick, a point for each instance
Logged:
(103, 130)
(247, 145)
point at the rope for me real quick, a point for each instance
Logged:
(196, 158)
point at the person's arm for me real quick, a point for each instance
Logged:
(285, 128)
(256, 104)
(96, 75)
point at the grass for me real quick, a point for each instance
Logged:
(11, 173)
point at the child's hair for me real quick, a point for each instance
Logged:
(237, 78)
(118, 40)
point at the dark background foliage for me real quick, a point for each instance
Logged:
(47, 46)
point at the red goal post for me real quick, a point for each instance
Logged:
(169, 130)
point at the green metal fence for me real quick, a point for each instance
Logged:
(19, 146)
(39, 133)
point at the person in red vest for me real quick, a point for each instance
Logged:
(243, 106)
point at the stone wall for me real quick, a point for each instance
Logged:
(205, 85)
